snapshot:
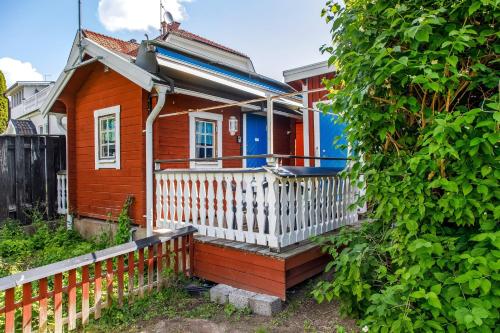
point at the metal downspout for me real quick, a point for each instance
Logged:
(162, 95)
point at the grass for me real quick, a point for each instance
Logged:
(42, 243)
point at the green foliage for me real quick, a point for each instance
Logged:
(22, 248)
(4, 104)
(124, 222)
(418, 88)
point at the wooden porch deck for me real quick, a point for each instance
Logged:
(256, 267)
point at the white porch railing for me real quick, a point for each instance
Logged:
(31, 103)
(253, 206)
(62, 192)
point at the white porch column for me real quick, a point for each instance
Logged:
(305, 122)
(270, 131)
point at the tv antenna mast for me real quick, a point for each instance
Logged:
(165, 16)
(80, 36)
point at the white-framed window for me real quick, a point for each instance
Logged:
(40, 129)
(107, 138)
(205, 139)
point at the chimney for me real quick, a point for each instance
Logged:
(165, 27)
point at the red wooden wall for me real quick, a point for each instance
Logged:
(98, 193)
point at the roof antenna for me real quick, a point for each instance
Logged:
(80, 36)
(165, 19)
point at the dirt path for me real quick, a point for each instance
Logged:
(300, 314)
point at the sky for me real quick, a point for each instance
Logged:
(36, 36)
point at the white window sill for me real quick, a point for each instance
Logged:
(107, 164)
(206, 165)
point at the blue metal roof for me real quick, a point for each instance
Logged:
(263, 83)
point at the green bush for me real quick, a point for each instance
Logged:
(41, 244)
(418, 87)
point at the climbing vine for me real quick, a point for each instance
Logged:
(417, 85)
(124, 222)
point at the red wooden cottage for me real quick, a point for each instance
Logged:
(190, 130)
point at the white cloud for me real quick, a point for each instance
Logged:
(134, 15)
(16, 70)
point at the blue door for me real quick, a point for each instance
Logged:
(329, 131)
(256, 137)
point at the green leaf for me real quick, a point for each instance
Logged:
(422, 34)
(474, 7)
(433, 299)
(466, 188)
(403, 60)
(496, 116)
(485, 170)
(452, 60)
(485, 285)
(436, 289)
(418, 294)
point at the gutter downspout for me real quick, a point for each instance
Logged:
(162, 95)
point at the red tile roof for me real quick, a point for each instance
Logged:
(173, 28)
(131, 48)
(112, 43)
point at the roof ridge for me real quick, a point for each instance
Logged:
(108, 36)
(217, 44)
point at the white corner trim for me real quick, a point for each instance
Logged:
(244, 129)
(192, 139)
(107, 164)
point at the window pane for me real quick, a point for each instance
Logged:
(200, 152)
(103, 124)
(111, 151)
(199, 126)
(111, 137)
(210, 140)
(210, 128)
(209, 153)
(200, 139)
(111, 123)
(104, 151)
(102, 139)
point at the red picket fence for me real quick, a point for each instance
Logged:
(65, 294)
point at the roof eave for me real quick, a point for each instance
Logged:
(111, 59)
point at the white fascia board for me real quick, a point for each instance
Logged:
(114, 61)
(308, 71)
(211, 97)
(120, 64)
(209, 52)
(163, 61)
(210, 76)
(61, 81)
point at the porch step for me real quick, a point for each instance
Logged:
(254, 267)
(261, 304)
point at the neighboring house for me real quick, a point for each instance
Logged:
(317, 132)
(26, 98)
(190, 130)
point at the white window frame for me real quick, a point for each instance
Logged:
(107, 163)
(192, 139)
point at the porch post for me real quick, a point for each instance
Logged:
(305, 122)
(270, 131)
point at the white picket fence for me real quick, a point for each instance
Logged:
(62, 192)
(253, 206)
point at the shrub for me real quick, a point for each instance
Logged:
(124, 222)
(418, 88)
